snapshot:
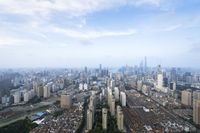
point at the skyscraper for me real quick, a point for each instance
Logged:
(123, 98)
(47, 92)
(120, 118)
(145, 64)
(116, 92)
(104, 118)
(112, 107)
(186, 97)
(89, 119)
(160, 81)
(196, 107)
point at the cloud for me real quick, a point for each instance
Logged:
(90, 34)
(7, 41)
(10, 41)
(71, 7)
(173, 27)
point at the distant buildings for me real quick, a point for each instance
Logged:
(66, 101)
(186, 97)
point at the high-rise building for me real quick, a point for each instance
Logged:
(112, 107)
(47, 92)
(120, 119)
(89, 119)
(17, 97)
(109, 95)
(26, 96)
(65, 101)
(123, 99)
(40, 91)
(173, 86)
(85, 86)
(186, 97)
(104, 118)
(116, 92)
(100, 67)
(196, 107)
(173, 75)
(160, 81)
(91, 110)
(145, 64)
(81, 87)
(139, 85)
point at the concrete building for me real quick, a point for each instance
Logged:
(120, 118)
(196, 107)
(123, 99)
(160, 81)
(104, 118)
(109, 96)
(17, 97)
(85, 86)
(173, 86)
(89, 119)
(186, 97)
(4, 99)
(35, 86)
(139, 85)
(65, 101)
(81, 87)
(26, 96)
(112, 107)
(116, 92)
(47, 92)
(40, 91)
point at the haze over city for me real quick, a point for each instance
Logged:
(73, 33)
(99, 66)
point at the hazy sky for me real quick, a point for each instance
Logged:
(58, 33)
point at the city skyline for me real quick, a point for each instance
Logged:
(59, 33)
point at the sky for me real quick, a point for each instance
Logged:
(78, 33)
